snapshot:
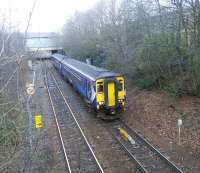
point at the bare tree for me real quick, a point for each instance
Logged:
(158, 41)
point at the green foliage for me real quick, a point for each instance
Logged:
(171, 89)
(194, 69)
(110, 64)
(161, 64)
(154, 49)
(86, 48)
(196, 87)
(147, 81)
(8, 132)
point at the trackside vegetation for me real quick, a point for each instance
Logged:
(154, 44)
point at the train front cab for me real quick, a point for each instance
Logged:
(110, 94)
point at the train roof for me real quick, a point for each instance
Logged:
(89, 71)
(59, 57)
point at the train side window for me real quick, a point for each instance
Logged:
(120, 85)
(100, 87)
(89, 90)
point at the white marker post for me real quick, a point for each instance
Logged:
(179, 124)
(30, 65)
(30, 89)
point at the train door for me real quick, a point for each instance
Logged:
(89, 90)
(111, 94)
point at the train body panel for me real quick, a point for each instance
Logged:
(101, 88)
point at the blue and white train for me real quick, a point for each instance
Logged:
(101, 88)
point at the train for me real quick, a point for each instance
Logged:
(102, 89)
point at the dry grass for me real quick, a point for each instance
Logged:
(159, 112)
(11, 120)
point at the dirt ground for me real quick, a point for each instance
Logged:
(155, 115)
(43, 153)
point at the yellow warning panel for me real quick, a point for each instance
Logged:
(38, 121)
(123, 134)
(111, 94)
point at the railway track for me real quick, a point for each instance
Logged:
(113, 157)
(145, 155)
(78, 153)
(147, 158)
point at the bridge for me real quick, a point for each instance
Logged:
(42, 41)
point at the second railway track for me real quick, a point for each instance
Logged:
(147, 158)
(78, 153)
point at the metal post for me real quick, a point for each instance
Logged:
(179, 136)
(179, 124)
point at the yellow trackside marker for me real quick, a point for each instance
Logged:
(38, 121)
(126, 136)
(123, 134)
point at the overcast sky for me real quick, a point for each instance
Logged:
(48, 16)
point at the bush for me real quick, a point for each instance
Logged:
(162, 65)
(195, 73)
(147, 81)
(172, 89)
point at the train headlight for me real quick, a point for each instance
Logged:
(101, 103)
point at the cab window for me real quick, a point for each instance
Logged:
(120, 85)
(100, 87)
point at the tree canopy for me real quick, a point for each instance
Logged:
(153, 44)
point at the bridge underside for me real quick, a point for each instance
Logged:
(41, 42)
(45, 52)
(49, 49)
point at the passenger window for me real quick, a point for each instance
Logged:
(89, 90)
(120, 86)
(100, 87)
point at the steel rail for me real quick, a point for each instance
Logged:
(138, 163)
(90, 148)
(57, 124)
(163, 157)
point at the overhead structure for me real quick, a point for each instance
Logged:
(42, 41)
